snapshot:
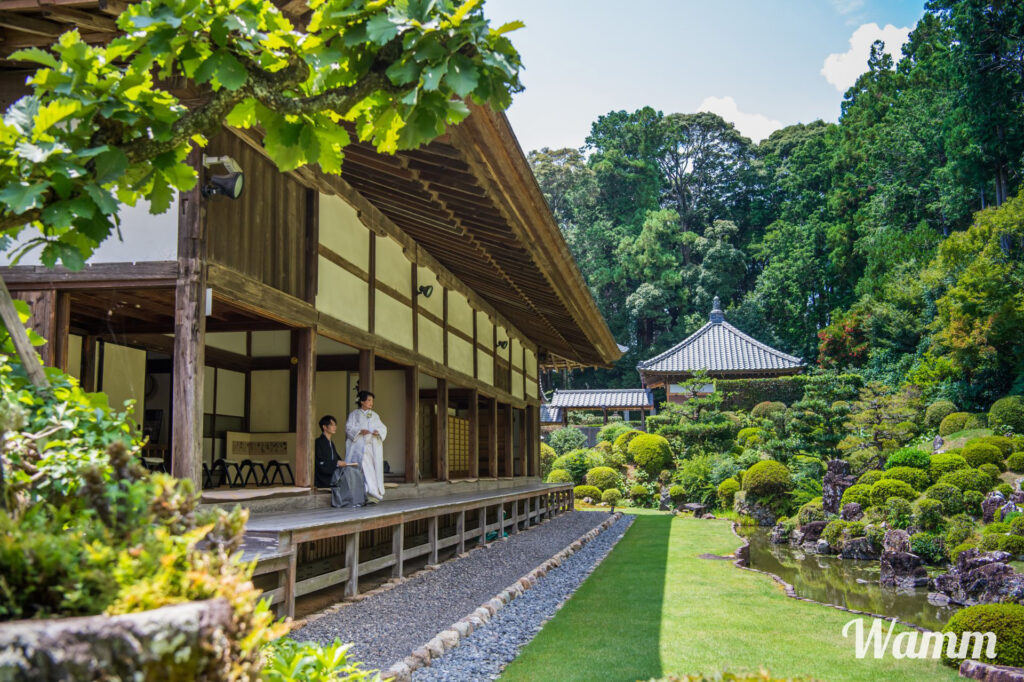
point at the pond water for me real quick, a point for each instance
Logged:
(833, 580)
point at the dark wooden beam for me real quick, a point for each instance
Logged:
(444, 324)
(62, 330)
(412, 424)
(366, 366)
(533, 438)
(372, 290)
(506, 435)
(42, 319)
(88, 378)
(312, 244)
(414, 278)
(100, 275)
(305, 398)
(441, 432)
(492, 437)
(474, 433)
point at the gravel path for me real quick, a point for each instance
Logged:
(486, 652)
(386, 627)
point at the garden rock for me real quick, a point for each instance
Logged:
(812, 531)
(796, 538)
(976, 670)
(902, 569)
(696, 508)
(981, 578)
(859, 548)
(779, 534)
(762, 516)
(1017, 497)
(664, 501)
(896, 541)
(852, 512)
(937, 444)
(822, 547)
(993, 501)
(1008, 508)
(837, 480)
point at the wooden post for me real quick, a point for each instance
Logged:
(305, 399)
(89, 363)
(397, 546)
(189, 334)
(441, 432)
(474, 432)
(533, 438)
(432, 538)
(515, 516)
(285, 544)
(366, 362)
(415, 295)
(460, 531)
(63, 325)
(371, 304)
(312, 245)
(352, 564)
(643, 420)
(572, 500)
(492, 437)
(412, 424)
(507, 435)
(482, 516)
(604, 413)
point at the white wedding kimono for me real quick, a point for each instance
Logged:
(367, 450)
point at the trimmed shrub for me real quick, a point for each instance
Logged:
(898, 512)
(949, 496)
(1008, 411)
(1004, 444)
(767, 478)
(603, 478)
(622, 441)
(859, 493)
(766, 409)
(650, 452)
(972, 502)
(727, 490)
(638, 493)
(976, 421)
(1017, 524)
(996, 527)
(945, 462)
(677, 494)
(547, 458)
(928, 513)
(1014, 544)
(929, 547)
(752, 435)
(610, 432)
(990, 470)
(833, 533)
(909, 457)
(953, 422)
(812, 511)
(1015, 462)
(559, 476)
(968, 479)
(1006, 621)
(977, 453)
(889, 487)
(938, 411)
(959, 529)
(915, 478)
(590, 491)
(567, 439)
(962, 547)
(870, 477)
(1005, 489)
(611, 496)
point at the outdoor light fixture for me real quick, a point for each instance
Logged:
(426, 290)
(503, 344)
(229, 185)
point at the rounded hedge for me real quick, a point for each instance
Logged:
(1015, 462)
(622, 441)
(898, 512)
(611, 496)
(650, 452)
(638, 492)
(953, 422)
(945, 462)
(1008, 411)
(1005, 489)
(859, 493)
(949, 496)
(767, 478)
(972, 502)
(603, 478)
(915, 478)
(590, 491)
(1006, 621)
(870, 477)
(938, 411)
(929, 547)
(1004, 444)
(812, 511)
(968, 479)
(909, 457)
(567, 439)
(1017, 525)
(677, 494)
(578, 463)
(610, 432)
(752, 435)
(977, 453)
(559, 476)
(928, 513)
(767, 408)
(727, 490)
(889, 487)
(991, 470)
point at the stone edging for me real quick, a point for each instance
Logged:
(450, 638)
(743, 555)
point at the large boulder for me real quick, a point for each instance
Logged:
(992, 502)
(859, 548)
(762, 515)
(812, 531)
(981, 578)
(780, 534)
(896, 541)
(852, 512)
(903, 570)
(837, 480)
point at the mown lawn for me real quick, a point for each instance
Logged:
(654, 608)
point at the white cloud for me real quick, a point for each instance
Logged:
(847, 6)
(755, 126)
(841, 69)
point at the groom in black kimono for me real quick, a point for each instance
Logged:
(326, 455)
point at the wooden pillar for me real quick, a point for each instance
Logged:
(371, 303)
(412, 424)
(524, 456)
(492, 437)
(366, 362)
(432, 538)
(515, 516)
(565, 417)
(312, 264)
(604, 413)
(474, 432)
(287, 581)
(397, 546)
(533, 438)
(507, 436)
(352, 564)
(572, 499)
(441, 432)
(305, 399)
(189, 334)
(482, 513)
(460, 531)
(643, 420)
(88, 363)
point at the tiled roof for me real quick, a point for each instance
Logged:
(720, 347)
(618, 398)
(550, 415)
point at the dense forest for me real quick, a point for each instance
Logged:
(890, 243)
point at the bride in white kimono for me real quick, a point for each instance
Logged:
(365, 433)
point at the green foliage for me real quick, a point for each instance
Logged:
(612, 496)
(1006, 621)
(603, 478)
(962, 547)
(610, 432)
(622, 441)
(726, 492)
(1017, 525)
(877, 424)
(291, 661)
(766, 479)
(949, 496)
(859, 493)
(929, 547)
(915, 478)
(582, 491)
(744, 394)
(959, 529)
(767, 409)
(953, 422)
(909, 457)
(968, 479)
(547, 458)
(938, 411)
(898, 512)
(1008, 411)
(750, 436)
(650, 452)
(990, 470)
(1005, 489)
(870, 477)
(694, 476)
(677, 494)
(567, 439)
(977, 453)
(578, 463)
(928, 514)
(1015, 462)
(639, 493)
(972, 502)
(1004, 444)
(559, 476)
(944, 463)
(833, 533)
(886, 488)
(995, 528)
(811, 511)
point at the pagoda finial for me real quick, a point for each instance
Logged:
(717, 315)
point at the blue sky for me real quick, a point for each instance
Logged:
(762, 65)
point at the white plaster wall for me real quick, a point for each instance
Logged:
(124, 377)
(269, 400)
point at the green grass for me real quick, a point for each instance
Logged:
(960, 438)
(653, 608)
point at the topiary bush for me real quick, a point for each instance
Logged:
(567, 439)
(750, 436)
(766, 409)
(677, 494)
(928, 514)
(1004, 444)
(1006, 621)
(611, 496)
(582, 491)
(1005, 489)
(547, 458)
(639, 493)
(915, 478)
(603, 478)
(945, 462)
(859, 493)
(767, 478)
(908, 457)
(833, 533)
(929, 547)
(578, 463)
(972, 502)
(962, 547)
(938, 411)
(898, 512)
(650, 452)
(812, 511)
(951, 423)
(949, 496)
(886, 488)
(977, 453)
(622, 441)
(968, 479)
(559, 476)
(990, 470)
(1008, 411)
(726, 492)
(610, 432)
(870, 477)
(1015, 462)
